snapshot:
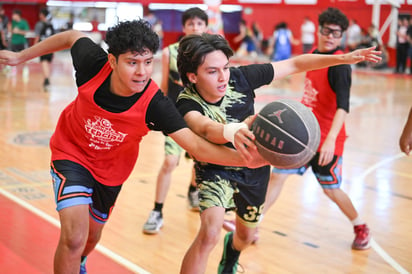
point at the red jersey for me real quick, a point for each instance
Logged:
(105, 143)
(321, 99)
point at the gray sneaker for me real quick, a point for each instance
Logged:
(193, 199)
(153, 223)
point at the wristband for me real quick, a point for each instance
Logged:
(229, 131)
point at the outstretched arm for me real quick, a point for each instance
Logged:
(205, 151)
(405, 141)
(306, 62)
(57, 42)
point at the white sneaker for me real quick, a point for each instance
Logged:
(153, 223)
(193, 199)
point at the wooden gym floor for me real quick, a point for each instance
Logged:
(303, 233)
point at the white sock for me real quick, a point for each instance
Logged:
(357, 221)
(260, 218)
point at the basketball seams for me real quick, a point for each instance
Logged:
(276, 137)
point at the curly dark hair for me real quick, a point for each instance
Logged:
(135, 36)
(333, 16)
(193, 50)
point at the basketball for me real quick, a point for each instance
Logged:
(287, 133)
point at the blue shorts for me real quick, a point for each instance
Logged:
(74, 185)
(329, 176)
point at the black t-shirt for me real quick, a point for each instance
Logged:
(243, 79)
(161, 115)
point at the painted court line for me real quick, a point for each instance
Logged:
(381, 252)
(114, 256)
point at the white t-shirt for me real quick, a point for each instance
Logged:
(308, 32)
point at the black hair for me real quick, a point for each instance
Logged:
(17, 11)
(193, 13)
(135, 36)
(45, 12)
(193, 50)
(333, 16)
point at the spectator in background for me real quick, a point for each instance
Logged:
(246, 39)
(44, 29)
(69, 24)
(3, 40)
(409, 37)
(18, 42)
(307, 30)
(353, 35)
(158, 29)
(18, 29)
(280, 45)
(4, 19)
(402, 45)
(257, 37)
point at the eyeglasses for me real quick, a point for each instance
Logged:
(336, 33)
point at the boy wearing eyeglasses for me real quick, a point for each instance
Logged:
(326, 93)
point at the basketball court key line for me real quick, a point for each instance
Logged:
(110, 254)
(374, 245)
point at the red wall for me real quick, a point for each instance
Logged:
(267, 16)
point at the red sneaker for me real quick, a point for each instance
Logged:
(362, 238)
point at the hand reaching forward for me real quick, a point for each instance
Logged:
(366, 54)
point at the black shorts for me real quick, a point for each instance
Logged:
(241, 189)
(74, 185)
(47, 57)
(17, 47)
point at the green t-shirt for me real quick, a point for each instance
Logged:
(17, 39)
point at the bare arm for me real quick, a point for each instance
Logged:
(328, 147)
(205, 151)
(57, 42)
(405, 141)
(214, 132)
(307, 62)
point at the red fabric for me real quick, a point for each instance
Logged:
(105, 143)
(321, 99)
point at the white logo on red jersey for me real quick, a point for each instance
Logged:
(309, 94)
(102, 135)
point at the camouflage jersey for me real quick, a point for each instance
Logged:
(235, 106)
(174, 82)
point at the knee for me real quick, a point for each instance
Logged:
(169, 164)
(73, 241)
(209, 238)
(246, 237)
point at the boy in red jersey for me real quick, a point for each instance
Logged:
(96, 142)
(327, 93)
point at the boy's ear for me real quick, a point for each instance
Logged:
(192, 77)
(112, 60)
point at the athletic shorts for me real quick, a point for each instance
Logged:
(74, 185)
(17, 47)
(171, 147)
(47, 57)
(329, 176)
(242, 190)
